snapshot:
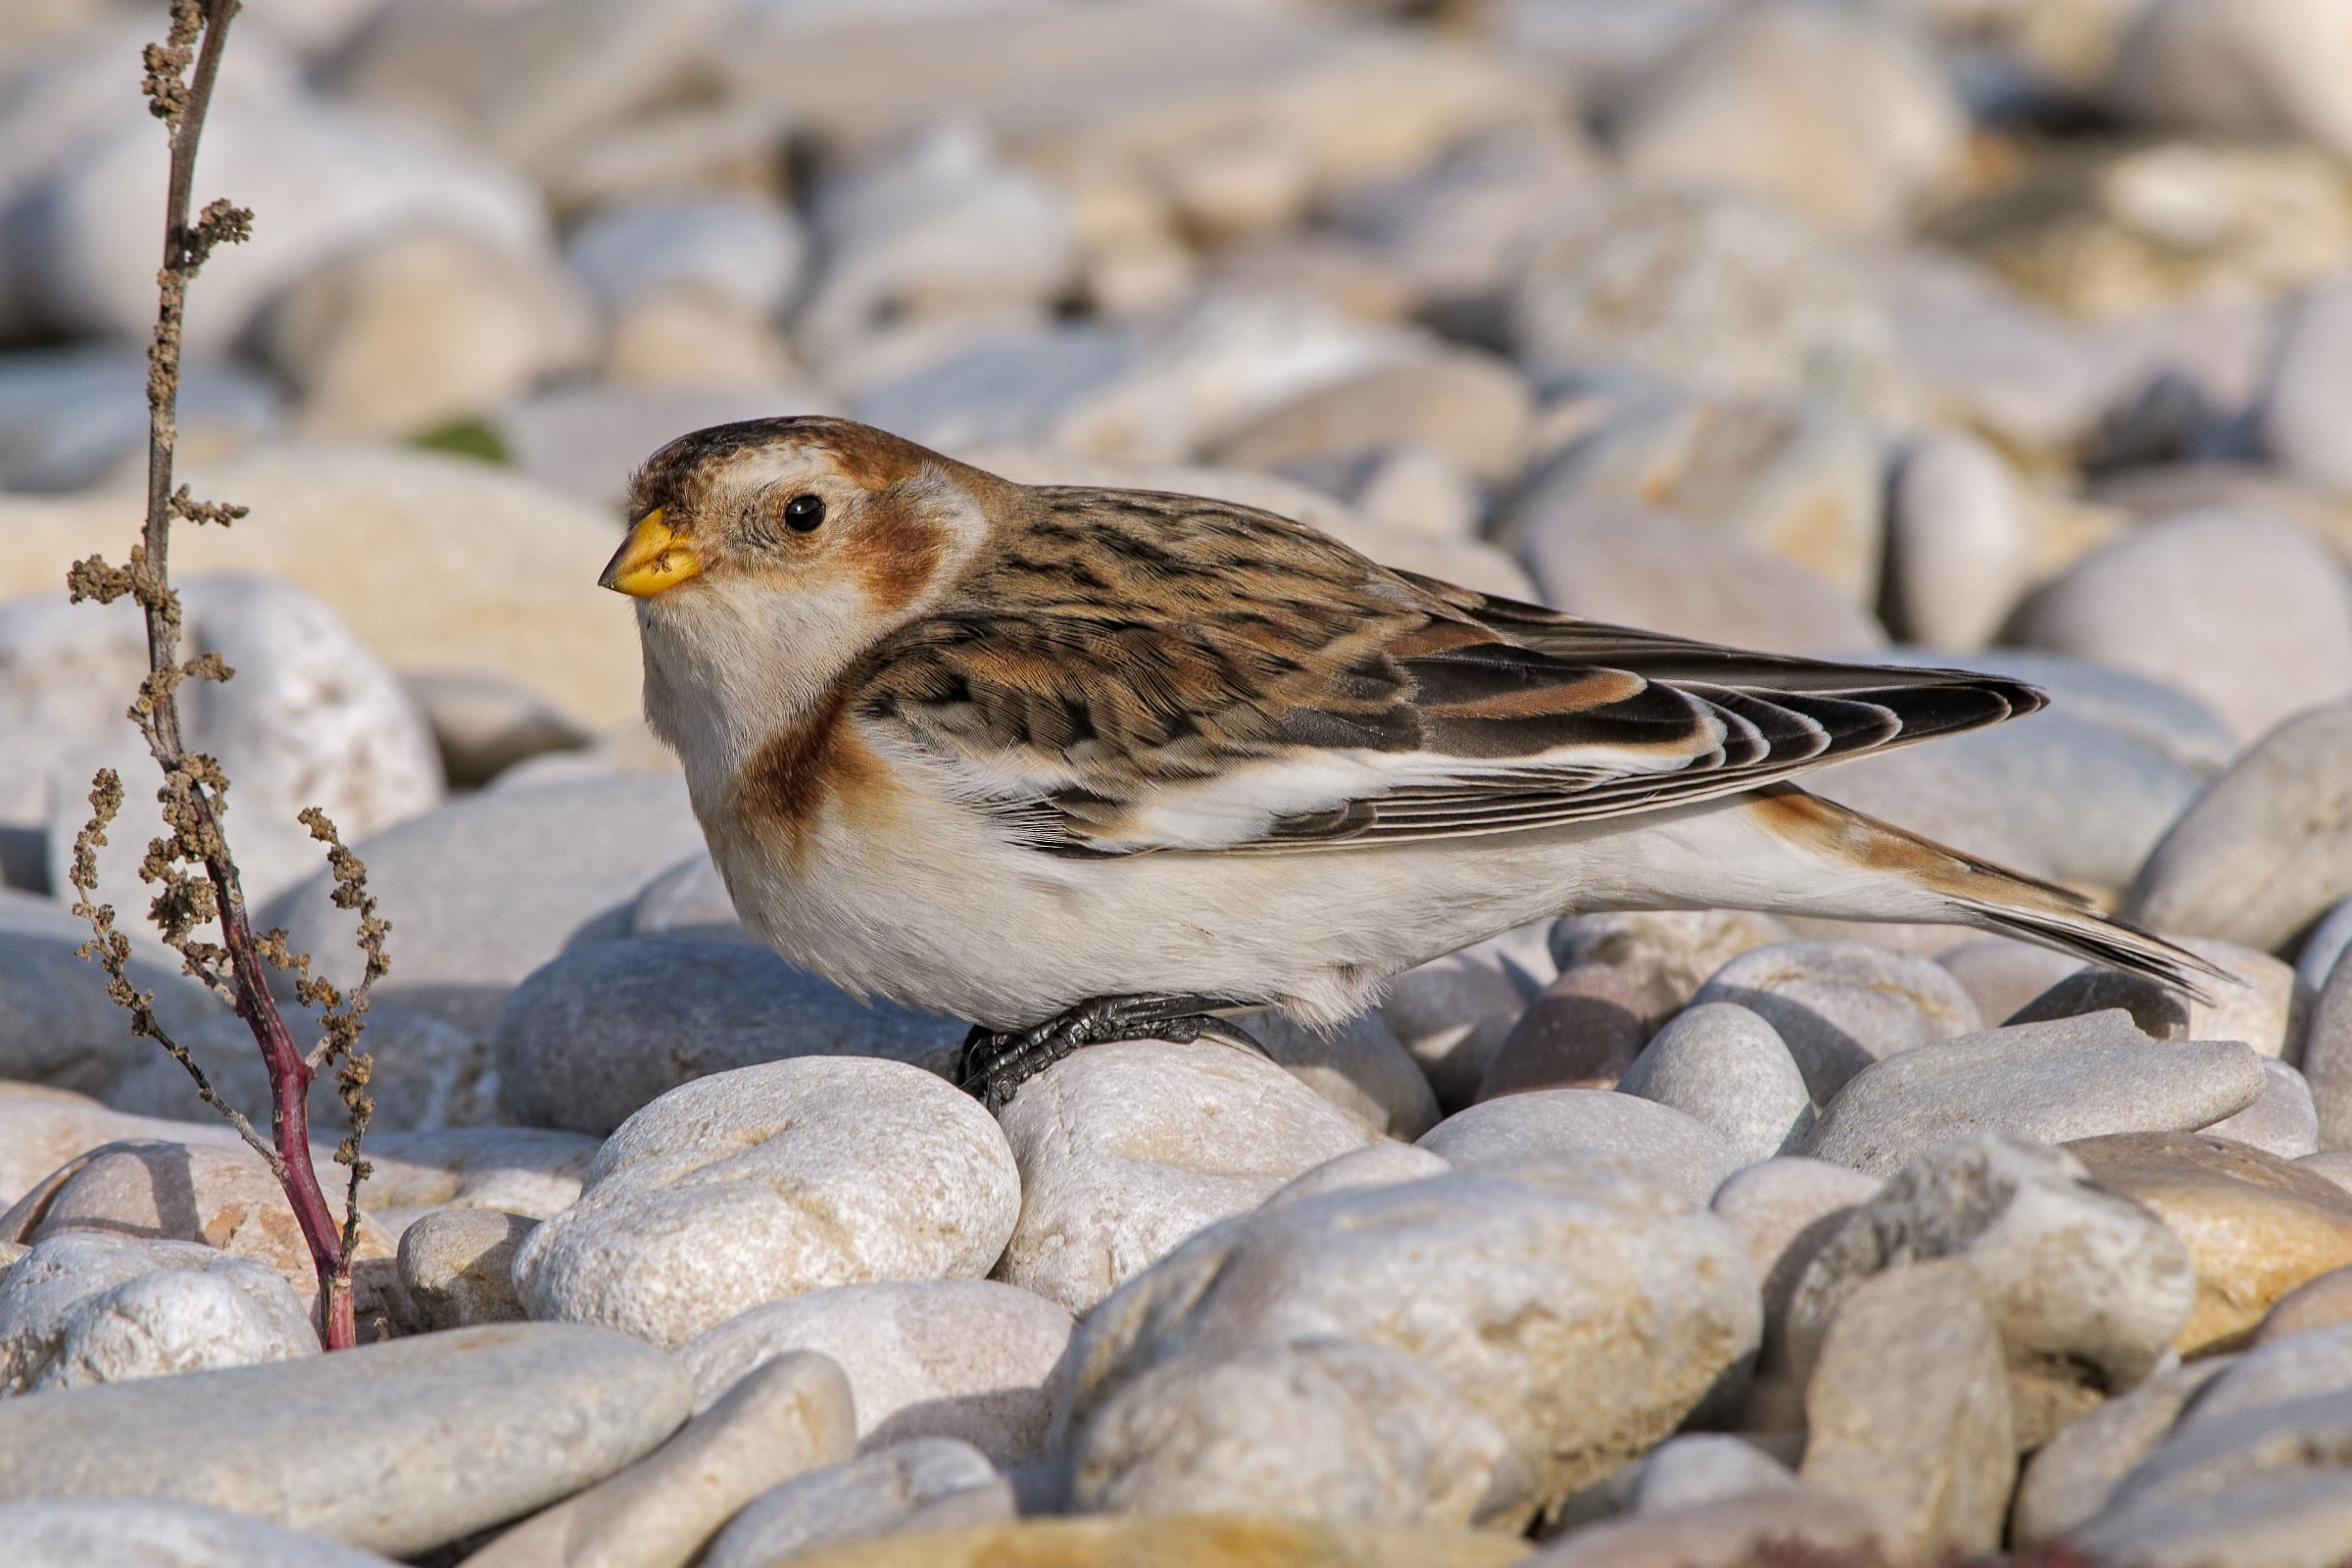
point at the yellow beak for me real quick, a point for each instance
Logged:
(649, 559)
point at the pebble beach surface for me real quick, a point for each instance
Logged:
(1934, 332)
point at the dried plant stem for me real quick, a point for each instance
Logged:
(193, 868)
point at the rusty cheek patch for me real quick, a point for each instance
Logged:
(894, 553)
(782, 794)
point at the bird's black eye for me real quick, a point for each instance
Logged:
(803, 512)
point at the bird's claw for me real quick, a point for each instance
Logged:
(996, 1063)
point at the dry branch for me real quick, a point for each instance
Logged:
(191, 867)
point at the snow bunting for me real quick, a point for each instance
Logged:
(1077, 765)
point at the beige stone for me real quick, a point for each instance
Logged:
(1732, 1533)
(788, 1417)
(2256, 1227)
(1667, 953)
(42, 1128)
(2069, 1481)
(2316, 1304)
(457, 1264)
(1465, 405)
(1218, 1541)
(1909, 1408)
(693, 338)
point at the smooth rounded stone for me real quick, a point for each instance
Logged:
(1728, 1534)
(2316, 1304)
(485, 724)
(427, 1073)
(1319, 1428)
(42, 1129)
(1908, 1409)
(768, 1181)
(1468, 407)
(86, 1307)
(689, 899)
(2263, 1009)
(1581, 1031)
(314, 717)
(2237, 67)
(1609, 558)
(487, 889)
(2041, 1082)
(407, 1445)
(2241, 609)
(2073, 1475)
(787, 1417)
(1373, 1165)
(148, 1532)
(1797, 480)
(1159, 1541)
(222, 1196)
(1779, 1206)
(2297, 1519)
(2203, 1457)
(1358, 1067)
(2155, 1009)
(1839, 1007)
(966, 1360)
(688, 338)
(1667, 953)
(1453, 1014)
(2072, 1277)
(1581, 1307)
(1670, 1147)
(1126, 1149)
(1704, 1467)
(2316, 959)
(2256, 1226)
(57, 1023)
(1720, 291)
(2149, 713)
(2002, 975)
(928, 1484)
(70, 416)
(2332, 1165)
(1959, 546)
(530, 1171)
(2281, 1121)
(2327, 1059)
(1846, 116)
(744, 248)
(1723, 1067)
(458, 1266)
(2308, 392)
(607, 1027)
(2281, 1372)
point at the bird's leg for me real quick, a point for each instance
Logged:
(997, 1062)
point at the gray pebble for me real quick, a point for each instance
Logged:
(1840, 1005)
(929, 1484)
(1724, 1067)
(1665, 1144)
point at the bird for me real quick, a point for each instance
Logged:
(1073, 763)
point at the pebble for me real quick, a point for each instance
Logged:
(2332, 1166)
(143, 1532)
(2205, 1458)
(1704, 1467)
(57, 1023)
(473, 925)
(1721, 1534)
(2255, 1225)
(1667, 953)
(929, 1484)
(1716, 290)
(530, 1171)
(1800, 481)
(2002, 975)
(1581, 1307)
(2070, 1478)
(2296, 1519)
(2240, 69)
(790, 1416)
(1839, 1007)
(1470, 409)
(2327, 1059)
(1779, 1207)
(1384, 1165)
(962, 1359)
(1633, 565)
(2306, 390)
(1453, 1013)
(2319, 1302)
(1320, 1428)
(1111, 1542)
(1908, 1409)
(2256, 615)
(2155, 1009)
(2086, 1291)
(41, 1129)
(1959, 545)
(1126, 1149)
(70, 416)
(86, 1307)
(2043, 1082)
(1725, 1068)
(1358, 1067)
(2281, 1121)
(2267, 849)
(407, 1445)
(1684, 1152)
(768, 1181)
(485, 724)
(1843, 117)
(457, 1265)
(1581, 1031)
(745, 249)
(2281, 1372)
(220, 1195)
(606, 1028)
(2316, 959)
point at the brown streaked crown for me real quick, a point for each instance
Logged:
(681, 473)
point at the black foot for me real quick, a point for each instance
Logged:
(996, 1063)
